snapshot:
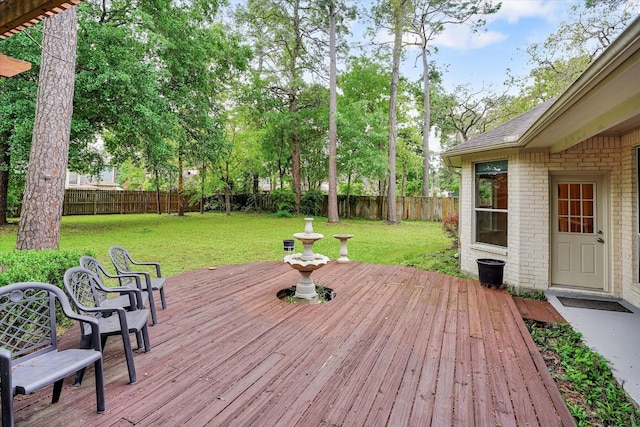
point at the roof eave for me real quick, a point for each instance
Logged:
(623, 48)
(454, 158)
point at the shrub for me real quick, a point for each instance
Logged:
(47, 265)
(450, 226)
(284, 201)
(311, 202)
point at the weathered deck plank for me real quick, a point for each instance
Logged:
(398, 346)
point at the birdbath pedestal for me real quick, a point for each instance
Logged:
(343, 247)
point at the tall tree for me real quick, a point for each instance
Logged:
(44, 190)
(333, 128)
(398, 10)
(200, 59)
(287, 32)
(430, 18)
(363, 122)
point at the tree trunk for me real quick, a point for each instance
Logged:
(349, 196)
(202, 189)
(426, 124)
(296, 149)
(158, 204)
(44, 188)
(256, 189)
(5, 164)
(227, 190)
(333, 128)
(180, 188)
(392, 216)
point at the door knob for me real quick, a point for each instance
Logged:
(600, 240)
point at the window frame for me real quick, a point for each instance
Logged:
(501, 166)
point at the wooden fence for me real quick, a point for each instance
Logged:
(407, 208)
(96, 202)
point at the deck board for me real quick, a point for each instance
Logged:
(397, 346)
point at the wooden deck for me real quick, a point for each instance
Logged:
(397, 346)
(540, 311)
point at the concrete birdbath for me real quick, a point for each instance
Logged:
(343, 247)
(306, 262)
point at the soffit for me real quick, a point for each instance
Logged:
(16, 15)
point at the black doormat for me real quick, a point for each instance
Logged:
(594, 304)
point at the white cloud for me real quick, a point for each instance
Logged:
(498, 25)
(462, 38)
(514, 10)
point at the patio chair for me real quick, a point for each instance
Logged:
(29, 355)
(125, 264)
(84, 287)
(126, 299)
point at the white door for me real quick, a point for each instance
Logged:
(578, 239)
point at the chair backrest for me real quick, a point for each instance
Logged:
(28, 318)
(120, 258)
(82, 285)
(95, 266)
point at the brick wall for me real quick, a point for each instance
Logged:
(628, 261)
(530, 173)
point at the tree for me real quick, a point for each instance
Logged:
(286, 32)
(333, 128)
(363, 122)
(17, 113)
(399, 10)
(568, 51)
(39, 226)
(430, 18)
(200, 59)
(465, 112)
(118, 90)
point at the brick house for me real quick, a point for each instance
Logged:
(554, 192)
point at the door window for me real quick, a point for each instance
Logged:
(576, 203)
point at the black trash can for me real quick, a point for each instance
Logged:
(288, 246)
(490, 271)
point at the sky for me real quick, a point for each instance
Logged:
(482, 59)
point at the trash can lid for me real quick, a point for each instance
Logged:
(489, 261)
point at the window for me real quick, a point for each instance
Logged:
(575, 208)
(107, 176)
(491, 202)
(73, 178)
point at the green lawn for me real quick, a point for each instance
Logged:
(213, 239)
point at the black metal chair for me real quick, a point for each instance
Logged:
(29, 354)
(126, 299)
(84, 288)
(125, 265)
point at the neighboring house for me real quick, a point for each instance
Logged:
(555, 191)
(106, 181)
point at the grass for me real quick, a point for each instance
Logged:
(214, 239)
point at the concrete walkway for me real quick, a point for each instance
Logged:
(614, 335)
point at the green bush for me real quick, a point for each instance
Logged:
(47, 265)
(311, 202)
(284, 201)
